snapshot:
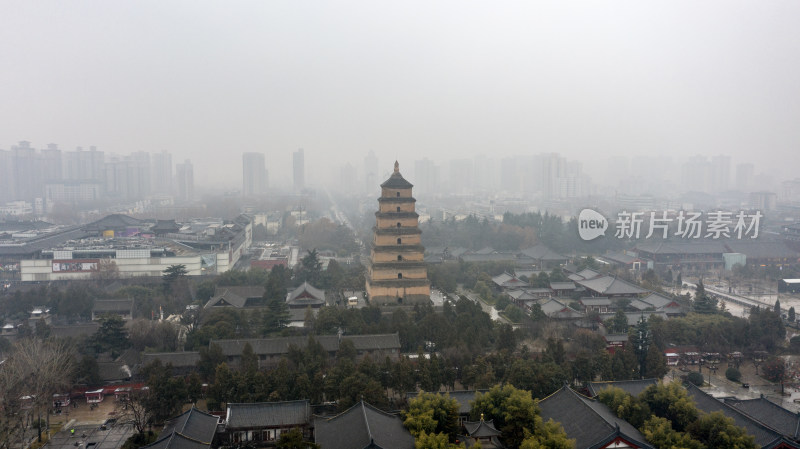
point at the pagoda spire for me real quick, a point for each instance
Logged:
(396, 167)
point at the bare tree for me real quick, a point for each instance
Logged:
(106, 270)
(34, 371)
(133, 410)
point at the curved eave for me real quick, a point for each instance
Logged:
(396, 231)
(399, 265)
(399, 248)
(396, 181)
(397, 199)
(380, 214)
(400, 283)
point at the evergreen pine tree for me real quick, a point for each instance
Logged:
(703, 303)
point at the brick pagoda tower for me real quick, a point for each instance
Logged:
(397, 273)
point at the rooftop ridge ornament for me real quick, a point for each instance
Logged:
(396, 167)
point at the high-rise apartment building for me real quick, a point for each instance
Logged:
(51, 166)
(162, 172)
(80, 165)
(299, 170)
(27, 179)
(6, 177)
(184, 177)
(745, 176)
(254, 174)
(720, 173)
(426, 174)
(370, 171)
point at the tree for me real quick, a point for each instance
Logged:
(106, 270)
(703, 303)
(111, 336)
(717, 430)
(426, 440)
(174, 272)
(640, 341)
(778, 306)
(733, 374)
(514, 412)
(775, 369)
(548, 435)
(310, 269)
(166, 394)
(537, 314)
(276, 316)
(620, 323)
(249, 363)
(293, 439)
(432, 413)
(36, 369)
(659, 432)
(624, 405)
(791, 315)
(671, 401)
(136, 411)
(277, 282)
(655, 363)
(696, 378)
(174, 276)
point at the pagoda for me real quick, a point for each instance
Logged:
(397, 273)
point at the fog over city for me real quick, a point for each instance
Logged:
(653, 84)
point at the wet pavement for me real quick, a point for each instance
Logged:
(91, 437)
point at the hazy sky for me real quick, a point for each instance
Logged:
(408, 79)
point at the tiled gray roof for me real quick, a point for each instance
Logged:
(463, 397)
(762, 249)
(611, 285)
(634, 317)
(583, 419)
(112, 305)
(678, 247)
(496, 257)
(268, 414)
(562, 285)
(280, 345)
(481, 429)
(111, 371)
(192, 429)
(194, 424)
(588, 273)
(641, 305)
(396, 181)
(236, 296)
(176, 359)
(620, 258)
(657, 300)
(706, 403)
(362, 426)
(773, 415)
(177, 441)
(317, 295)
(632, 387)
(74, 330)
(595, 301)
(556, 309)
(541, 252)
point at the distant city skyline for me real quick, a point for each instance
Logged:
(585, 80)
(546, 175)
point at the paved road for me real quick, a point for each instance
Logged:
(486, 307)
(91, 437)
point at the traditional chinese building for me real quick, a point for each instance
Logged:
(397, 273)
